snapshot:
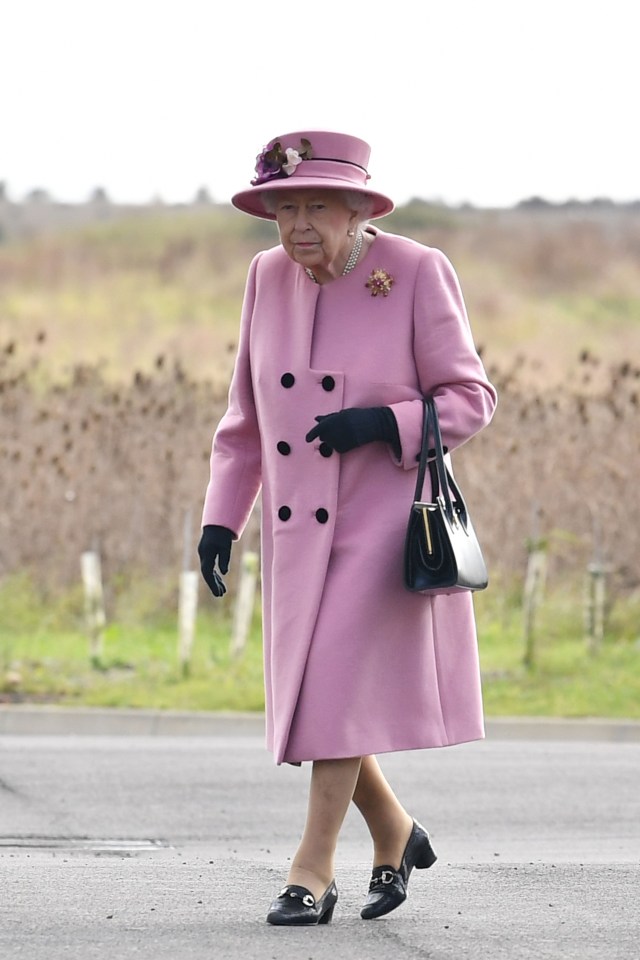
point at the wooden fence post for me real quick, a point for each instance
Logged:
(188, 600)
(533, 588)
(596, 594)
(95, 617)
(595, 606)
(245, 601)
(187, 612)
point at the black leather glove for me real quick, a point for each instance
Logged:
(356, 426)
(215, 545)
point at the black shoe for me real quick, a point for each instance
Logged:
(297, 906)
(388, 887)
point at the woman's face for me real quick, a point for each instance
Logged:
(314, 229)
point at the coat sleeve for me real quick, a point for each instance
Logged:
(235, 475)
(447, 362)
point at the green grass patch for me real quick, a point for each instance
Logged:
(566, 678)
(45, 655)
(139, 669)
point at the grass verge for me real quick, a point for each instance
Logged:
(45, 658)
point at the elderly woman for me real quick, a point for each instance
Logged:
(344, 329)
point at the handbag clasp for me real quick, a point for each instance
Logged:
(427, 531)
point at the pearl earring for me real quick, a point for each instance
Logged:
(351, 233)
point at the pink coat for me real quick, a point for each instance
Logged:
(353, 663)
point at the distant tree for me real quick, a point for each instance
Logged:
(38, 195)
(202, 198)
(420, 214)
(99, 196)
(602, 202)
(534, 203)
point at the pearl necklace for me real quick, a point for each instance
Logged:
(351, 262)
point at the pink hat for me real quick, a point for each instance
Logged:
(316, 158)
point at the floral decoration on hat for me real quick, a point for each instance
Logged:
(380, 282)
(274, 162)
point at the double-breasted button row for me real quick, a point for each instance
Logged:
(285, 449)
(321, 515)
(287, 380)
(328, 383)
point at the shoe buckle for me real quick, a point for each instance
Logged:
(308, 900)
(387, 876)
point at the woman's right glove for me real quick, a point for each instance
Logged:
(215, 545)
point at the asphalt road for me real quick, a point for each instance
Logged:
(172, 847)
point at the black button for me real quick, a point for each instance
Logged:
(284, 513)
(431, 453)
(328, 383)
(287, 380)
(325, 449)
(283, 448)
(321, 515)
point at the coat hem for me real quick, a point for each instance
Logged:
(347, 754)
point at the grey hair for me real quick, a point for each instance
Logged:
(362, 203)
(268, 199)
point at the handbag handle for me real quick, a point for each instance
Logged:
(441, 478)
(422, 466)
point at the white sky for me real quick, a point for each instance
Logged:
(487, 101)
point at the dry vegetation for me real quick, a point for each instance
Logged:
(116, 345)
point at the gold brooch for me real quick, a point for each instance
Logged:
(380, 282)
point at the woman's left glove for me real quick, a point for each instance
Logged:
(215, 545)
(356, 426)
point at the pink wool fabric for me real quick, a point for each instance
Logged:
(354, 664)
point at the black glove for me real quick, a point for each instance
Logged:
(356, 426)
(215, 544)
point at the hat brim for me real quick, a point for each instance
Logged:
(250, 201)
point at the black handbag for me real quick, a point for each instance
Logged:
(441, 553)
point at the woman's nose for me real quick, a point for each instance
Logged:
(301, 219)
